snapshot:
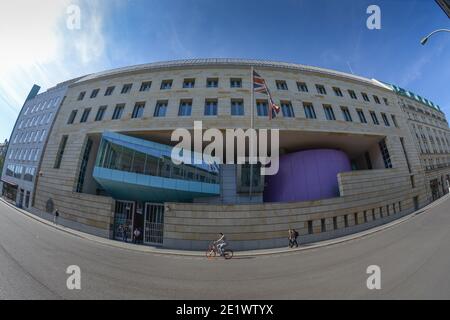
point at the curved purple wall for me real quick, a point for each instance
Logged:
(307, 175)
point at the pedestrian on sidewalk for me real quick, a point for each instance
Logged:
(55, 218)
(125, 232)
(293, 235)
(136, 234)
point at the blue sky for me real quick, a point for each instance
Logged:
(37, 47)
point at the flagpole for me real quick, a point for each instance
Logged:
(252, 124)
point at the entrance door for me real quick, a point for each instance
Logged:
(434, 186)
(27, 200)
(21, 196)
(123, 220)
(154, 223)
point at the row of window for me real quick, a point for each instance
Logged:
(30, 136)
(428, 115)
(165, 85)
(374, 214)
(438, 141)
(36, 121)
(427, 120)
(234, 83)
(47, 104)
(236, 109)
(431, 164)
(21, 172)
(24, 154)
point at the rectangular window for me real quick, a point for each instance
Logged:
(211, 107)
(109, 91)
(59, 155)
(83, 167)
(126, 88)
(413, 183)
(329, 113)
(302, 87)
(347, 115)
(368, 161)
(374, 118)
(166, 84)
(30, 156)
(94, 93)
(322, 225)
(188, 83)
(145, 86)
(185, 108)
(281, 85)
(138, 110)
(262, 108)
(160, 109)
(72, 116)
(394, 120)
(385, 119)
(237, 107)
(386, 102)
(402, 142)
(337, 92)
(286, 108)
(100, 113)
(309, 110)
(118, 111)
(85, 115)
(376, 99)
(361, 116)
(212, 82)
(365, 96)
(236, 83)
(81, 95)
(321, 89)
(385, 154)
(42, 135)
(352, 94)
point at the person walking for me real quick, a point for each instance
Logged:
(293, 235)
(125, 232)
(55, 218)
(136, 235)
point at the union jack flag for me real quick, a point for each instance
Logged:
(260, 86)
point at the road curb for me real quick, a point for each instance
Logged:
(255, 253)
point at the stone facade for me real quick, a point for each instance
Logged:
(431, 134)
(368, 196)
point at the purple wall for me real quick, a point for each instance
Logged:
(307, 175)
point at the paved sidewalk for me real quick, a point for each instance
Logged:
(163, 251)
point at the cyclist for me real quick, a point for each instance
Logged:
(221, 243)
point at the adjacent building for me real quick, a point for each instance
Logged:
(349, 157)
(431, 134)
(27, 143)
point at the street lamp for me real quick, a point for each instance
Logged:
(425, 40)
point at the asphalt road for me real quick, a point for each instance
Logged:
(414, 257)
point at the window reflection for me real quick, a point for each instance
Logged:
(116, 157)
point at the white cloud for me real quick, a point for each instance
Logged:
(37, 47)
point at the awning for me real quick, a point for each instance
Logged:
(12, 184)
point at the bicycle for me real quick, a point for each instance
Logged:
(212, 251)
